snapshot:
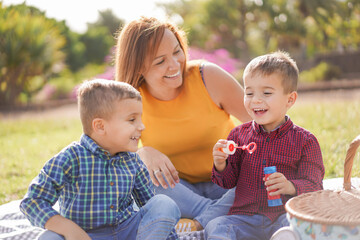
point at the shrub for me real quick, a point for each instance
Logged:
(29, 52)
(220, 57)
(322, 72)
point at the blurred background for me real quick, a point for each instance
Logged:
(47, 49)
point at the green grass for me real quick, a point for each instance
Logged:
(335, 124)
(26, 144)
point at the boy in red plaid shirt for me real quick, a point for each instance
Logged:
(270, 84)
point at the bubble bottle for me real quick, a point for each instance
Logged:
(273, 201)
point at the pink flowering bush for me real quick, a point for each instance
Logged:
(73, 93)
(220, 57)
(109, 73)
(46, 93)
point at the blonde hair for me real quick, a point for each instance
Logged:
(96, 99)
(138, 42)
(277, 62)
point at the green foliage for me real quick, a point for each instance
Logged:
(323, 71)
(74, 49)
(248, 28)
(34, 49)
(109, 20)
(64, 85)
(97, 42)
(29, 51)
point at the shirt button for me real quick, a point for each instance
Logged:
(267, 139)
(112, 206)
(111, 183)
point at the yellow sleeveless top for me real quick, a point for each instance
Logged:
(187, 127)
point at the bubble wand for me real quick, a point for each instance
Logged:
(232, 146)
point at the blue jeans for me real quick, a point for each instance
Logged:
(244, 227)
(200, 201)
(155, 220)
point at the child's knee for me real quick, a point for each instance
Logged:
(50, 235)
(211, 225)
(165, 206)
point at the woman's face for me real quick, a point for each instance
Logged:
(163, 73)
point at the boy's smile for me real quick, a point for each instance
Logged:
(265, 100)
(123, 129)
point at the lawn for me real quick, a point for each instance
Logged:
(25, 144)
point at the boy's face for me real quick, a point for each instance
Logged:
(123, 129)
(265, 100)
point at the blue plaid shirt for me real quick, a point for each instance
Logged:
(93, 188)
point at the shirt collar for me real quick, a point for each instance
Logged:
(280, 130)
(92, 146)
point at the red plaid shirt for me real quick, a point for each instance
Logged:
(293, 150)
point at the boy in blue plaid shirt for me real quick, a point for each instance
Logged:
(97, 179)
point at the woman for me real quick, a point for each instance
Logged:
(186, 109)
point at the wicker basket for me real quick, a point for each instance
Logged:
(328, 214)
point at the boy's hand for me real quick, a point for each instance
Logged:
(219, 156)
(67, 228)
(279, 182)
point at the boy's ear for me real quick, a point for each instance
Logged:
(292, 99)
(98, 126)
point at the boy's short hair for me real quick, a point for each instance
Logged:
(96, 99)
(277, 62)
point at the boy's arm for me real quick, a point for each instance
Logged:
(311, 168)
(67, 228)
(44, 191)
(144, 188)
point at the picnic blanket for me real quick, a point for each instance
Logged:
(14, 225)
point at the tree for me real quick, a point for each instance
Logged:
(29, 51)
(109, 20)
(252, 27)
(73, 48)
(98, 43)
(100, 36)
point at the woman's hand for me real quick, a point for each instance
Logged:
(219, 156)
(159, 165)
(280, 183)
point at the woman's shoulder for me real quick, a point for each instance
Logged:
(195, 64)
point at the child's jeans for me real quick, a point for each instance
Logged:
(202, 201)
(244, 227)
(155, 220)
